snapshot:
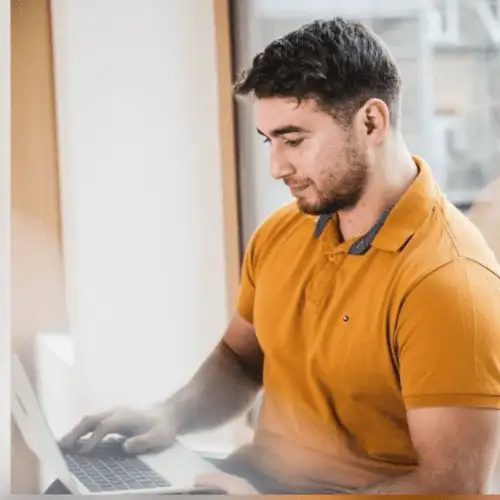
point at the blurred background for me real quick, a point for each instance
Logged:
(137, 180)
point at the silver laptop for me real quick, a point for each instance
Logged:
(107, 470)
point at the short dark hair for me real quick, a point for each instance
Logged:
(337, 62)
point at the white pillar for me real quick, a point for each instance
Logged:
(141, 193)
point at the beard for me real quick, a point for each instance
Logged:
(340, 193)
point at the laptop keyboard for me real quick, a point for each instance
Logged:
(108, 468)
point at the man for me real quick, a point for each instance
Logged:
(368, 308)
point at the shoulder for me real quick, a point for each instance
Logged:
(460, 296)
(461, 278)
(448, 245)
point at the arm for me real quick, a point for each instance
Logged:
(457, 450)
(224, 386)
(448, 349)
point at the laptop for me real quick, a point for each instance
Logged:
(106, 470)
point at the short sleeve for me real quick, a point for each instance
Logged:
(246, 288)
(448, 338)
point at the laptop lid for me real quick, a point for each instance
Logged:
(34, 427)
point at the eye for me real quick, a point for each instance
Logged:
(293, 143)
(266, 141)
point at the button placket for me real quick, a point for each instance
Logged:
(324, 280)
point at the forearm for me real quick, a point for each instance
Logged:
(222, 389)
(419, 481)
(422, 482)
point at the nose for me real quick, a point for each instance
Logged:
(279, 164)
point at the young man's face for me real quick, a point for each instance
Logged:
(324, 165)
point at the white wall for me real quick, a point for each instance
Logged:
(141, 193)
(4, 249)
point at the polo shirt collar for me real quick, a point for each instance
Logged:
(395, 227)
(360, 245)
(410, 212)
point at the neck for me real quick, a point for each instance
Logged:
(385, 187)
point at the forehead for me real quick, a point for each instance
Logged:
(276, 112)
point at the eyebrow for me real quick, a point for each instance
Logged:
(286, 129)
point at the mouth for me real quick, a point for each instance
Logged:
(298, 188)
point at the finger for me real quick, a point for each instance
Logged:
(86, 425)
(101, 431)
(154, 440)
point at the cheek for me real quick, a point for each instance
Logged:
(321, 165)
(308, 161)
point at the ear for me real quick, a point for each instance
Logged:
(373, 121)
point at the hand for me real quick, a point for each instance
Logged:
(146, 430)
(232, 485)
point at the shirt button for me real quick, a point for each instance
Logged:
(332, 257)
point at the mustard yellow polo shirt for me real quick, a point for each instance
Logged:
(355, 333)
